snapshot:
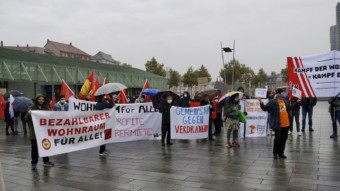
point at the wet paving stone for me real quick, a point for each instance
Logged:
(199, 165)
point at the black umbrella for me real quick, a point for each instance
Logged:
(15, 93)
(160, 99)
(21, 104)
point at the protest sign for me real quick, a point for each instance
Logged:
(316, 75)
(296, 92)
(256, 125)
(261, 93)
(140, 121)
(189, 123)
(80, 105)
(60, 132)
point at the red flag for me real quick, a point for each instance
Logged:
(95, 87)
(65, 90)
(122, 97)
(87, 86)
(53, 101)
(146, 86)
(2, 106)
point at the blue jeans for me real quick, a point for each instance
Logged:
(334, 121)
(310, 115)
(296, 115)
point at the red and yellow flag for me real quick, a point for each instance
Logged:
(87, 86)
(95, 87)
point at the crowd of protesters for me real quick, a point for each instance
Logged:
(283, 111)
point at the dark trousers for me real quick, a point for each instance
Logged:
(296, 115)
(102, 148)
(218, 124)
(166, 130)
(310, 116)
(280, 141)
(35, 153)
(335, 117)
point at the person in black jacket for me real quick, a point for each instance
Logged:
(205, 101)
(102, 104)
(165, 110)
(307, 108)
(185, 100)
(279, 110)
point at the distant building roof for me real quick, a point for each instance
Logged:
(67, 48)
(33, 49)
(103, 56)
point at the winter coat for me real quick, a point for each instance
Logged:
(58, 106)
(28, 117)
(229, 112)
(165, 110)
(274, 111)
(103, 105)
(308, 103)
(334, 103)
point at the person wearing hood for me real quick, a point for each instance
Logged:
(165, 110)
(39, 104)
(61, 105)
(185, 100)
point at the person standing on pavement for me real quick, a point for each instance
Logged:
(205, 101)
(295, 115)
(307, 108)
(102, 104)
(217, 116)
(232, 119)
(165, 110)
(39, 104)
(279, 121)
(334, 109)
(9, 120)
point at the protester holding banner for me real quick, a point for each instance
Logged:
(308, 104)
(205, 101)
(40, 104)
(102, 104)
(279, 121)
(216, 116)
(61, 105)
(232, 118)
(185, 100)
(334, 109)
(165, 110)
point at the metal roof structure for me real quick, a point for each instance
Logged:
(31, 67)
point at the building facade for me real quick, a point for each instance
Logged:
(65, 50)
(335, 31)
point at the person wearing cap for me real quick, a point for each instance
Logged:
(278, 110)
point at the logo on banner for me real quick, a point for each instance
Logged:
(46, 144)
(107, 134)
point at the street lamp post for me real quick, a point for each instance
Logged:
(225, 76)
(227, 49)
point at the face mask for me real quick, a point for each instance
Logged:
(142, 100)
(185, 95)
(169, 101)
(236, 99)
(62, 101)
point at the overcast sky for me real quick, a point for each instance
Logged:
(178, 33)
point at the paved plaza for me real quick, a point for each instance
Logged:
(313, 164)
